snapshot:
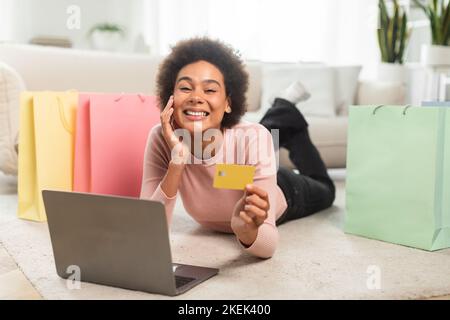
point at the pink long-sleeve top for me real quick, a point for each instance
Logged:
(246, 143)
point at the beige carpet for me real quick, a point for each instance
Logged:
(315, 260)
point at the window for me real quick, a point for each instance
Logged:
(331, 31)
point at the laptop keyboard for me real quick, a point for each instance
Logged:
(181, 281)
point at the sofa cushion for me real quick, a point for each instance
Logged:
(376, 92)
(11, 85)
(254, 69)
(329, 135)
(317, 79)
(346, 85)
(82, 70)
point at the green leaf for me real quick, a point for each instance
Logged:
(384, 18)
(403, 38)
(434, 32)
(395, 28)
(446, 25)
(107, 27)
(390, 45)
(420, 5)
(435, 6)
(384, 21)
(382, 45)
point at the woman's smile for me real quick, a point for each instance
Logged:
(193, 114)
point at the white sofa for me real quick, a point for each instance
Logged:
(332, 88)
(11, 85)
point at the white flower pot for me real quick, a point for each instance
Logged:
(391, 72)
(433, 55)
(106, 40)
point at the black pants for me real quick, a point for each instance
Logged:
(312, 189)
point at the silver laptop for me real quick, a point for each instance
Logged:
(116, 241)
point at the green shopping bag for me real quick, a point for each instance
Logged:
(398, 175)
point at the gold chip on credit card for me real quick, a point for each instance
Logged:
(233, 176)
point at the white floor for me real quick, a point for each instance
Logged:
(314, 260)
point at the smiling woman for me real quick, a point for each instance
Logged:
(202, 86)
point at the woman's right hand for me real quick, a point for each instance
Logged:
(179, 150)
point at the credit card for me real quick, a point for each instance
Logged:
(233, 176)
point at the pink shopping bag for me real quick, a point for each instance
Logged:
(110, 139)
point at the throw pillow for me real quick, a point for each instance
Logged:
(376, 92)
(346, 85)
(317, 79)
(11, 85)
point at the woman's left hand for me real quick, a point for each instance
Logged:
(250, 212)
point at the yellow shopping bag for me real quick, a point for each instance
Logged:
(46, 144)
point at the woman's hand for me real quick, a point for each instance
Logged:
(180, 151)
(250, 212)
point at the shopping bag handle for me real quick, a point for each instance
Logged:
(405, 108)
(62, 116)
(119, 97)
(382, 105)
(141, 97)
(122, 94)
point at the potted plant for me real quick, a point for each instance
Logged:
(438, 13)
(393, 36)
(106, 36)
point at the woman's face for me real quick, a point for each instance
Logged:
(200, 97)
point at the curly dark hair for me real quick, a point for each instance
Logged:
(223, 56)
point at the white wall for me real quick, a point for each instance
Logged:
(32, 18)
(21, 20)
